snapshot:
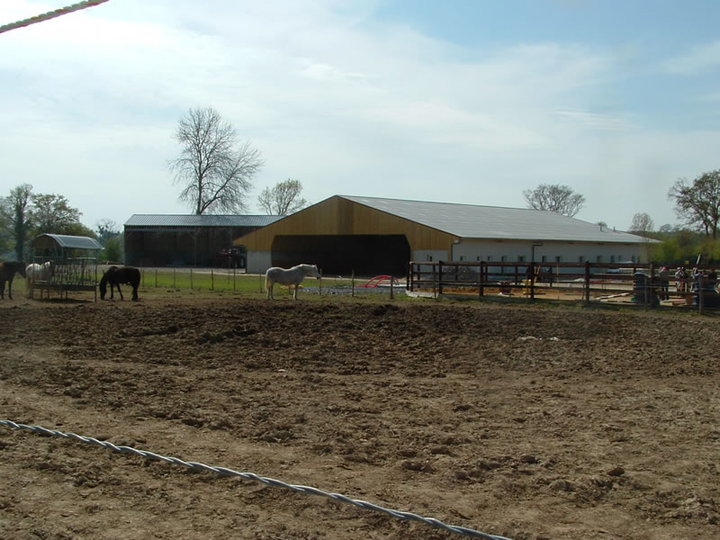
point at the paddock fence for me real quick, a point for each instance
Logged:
(224, 471)
(632, 284)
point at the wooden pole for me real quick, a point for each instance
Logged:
(701, 295)
(191, 278)
(392, 291)
(212, 280)
(352, 293)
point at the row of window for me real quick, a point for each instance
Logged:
(544, 259)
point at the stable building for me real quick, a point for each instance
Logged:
(371, 236)
(185, 240)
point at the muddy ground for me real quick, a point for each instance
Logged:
(526, 422)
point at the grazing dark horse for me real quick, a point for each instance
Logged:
(7, 273)
(116, 275)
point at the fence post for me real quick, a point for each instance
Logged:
(392, 292)
(532, 280)
(212, 280)
(320, 284)
(352, 284)
(481, 279)
(650, 296)
(701, 295)
(440, 265)
(587, 281)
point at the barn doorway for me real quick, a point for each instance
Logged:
(366, 255)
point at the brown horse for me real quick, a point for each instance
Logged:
(116, 275)
(7, 273)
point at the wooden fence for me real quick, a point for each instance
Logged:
(632, 284)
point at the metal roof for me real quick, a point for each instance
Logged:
(192, 220)
(68, 241)
(494, 222)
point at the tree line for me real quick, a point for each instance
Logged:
(215, 173)
(697, 205)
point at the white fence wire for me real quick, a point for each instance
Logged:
(262, 479)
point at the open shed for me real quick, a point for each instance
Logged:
(74, 260)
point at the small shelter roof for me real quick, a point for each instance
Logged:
(47, 240)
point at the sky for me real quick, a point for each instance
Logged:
(461, 101)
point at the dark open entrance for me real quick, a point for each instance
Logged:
(366, 255)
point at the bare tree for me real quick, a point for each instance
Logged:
(641, 223)
(554, 198)
(283, 199)
(698, 205)
(15, 214)
(215, 175)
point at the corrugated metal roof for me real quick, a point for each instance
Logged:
(210, 220)
(68, 241)
(494, 222)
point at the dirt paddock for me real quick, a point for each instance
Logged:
(526, 422)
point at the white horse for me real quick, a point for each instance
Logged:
(289, 276)
(37, 272)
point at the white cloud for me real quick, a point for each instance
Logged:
(700, 59)
(344, 103)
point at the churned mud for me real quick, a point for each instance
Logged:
(526, 422)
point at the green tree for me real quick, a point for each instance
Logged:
(698, 204)
(15, 215)
(53, 214)
(215, 174)
(554, 198)
(285, 198)
(113, 250)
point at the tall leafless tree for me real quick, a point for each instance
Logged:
(641, 223)
(215, 174)
(554, 198)
(283, 199)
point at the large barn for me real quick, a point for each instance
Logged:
(370, 236)
(185, 240)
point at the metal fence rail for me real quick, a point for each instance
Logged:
(262, 479)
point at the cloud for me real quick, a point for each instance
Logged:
(700, 59)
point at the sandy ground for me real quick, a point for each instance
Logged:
(527, 422)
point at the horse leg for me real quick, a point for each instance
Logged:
(9, 287)
(295, 292)
(2, 289)
(134, 295)
(120, 292)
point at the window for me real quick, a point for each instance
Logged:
(581, 259)
(479, 258)
(633, 258)
(612, 258)
(521, 258)
(429, 257)
(503, 258)
(462, 258)
(558, 258)
(489, 258)
(598, 258)
(543, 258)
